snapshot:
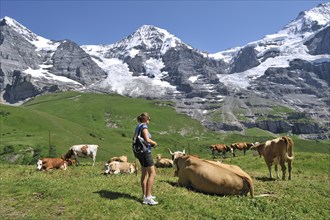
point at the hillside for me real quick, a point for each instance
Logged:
(50, 124)
(68, 118)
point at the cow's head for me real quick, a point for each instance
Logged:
(178, 163)
(177, 154)
(229, 148)
(133, 168)
(158, 157)
(39, 165)
(68, 154)
(257, 149)
(107, 168)
(249, 145)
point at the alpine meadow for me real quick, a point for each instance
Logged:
(47, 125)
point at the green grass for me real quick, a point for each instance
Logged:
(84, 193)
(280, 110)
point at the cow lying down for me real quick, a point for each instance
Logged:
(212, 177)
(115, 167)
(163, 162)
(53, 163)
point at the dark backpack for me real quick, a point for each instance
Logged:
(139, 145)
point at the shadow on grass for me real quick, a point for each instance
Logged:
(265, 179)
(115, 195)
(190, 188)
(174, 184)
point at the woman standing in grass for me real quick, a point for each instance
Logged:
(145, 158)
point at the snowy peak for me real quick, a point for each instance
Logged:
(319, 14)
(39, 42)
(29, 35)
(310, 20)
(146, 38)
(296, 32)
(151, 36)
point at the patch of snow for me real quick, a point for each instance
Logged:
(44, 74)
(122, 81)
(226, 55)
(193, 78)
(133, 52)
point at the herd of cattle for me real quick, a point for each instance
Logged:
(207, 176)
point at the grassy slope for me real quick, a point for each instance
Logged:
(74, 118)
(65, 119)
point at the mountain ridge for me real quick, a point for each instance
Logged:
(153, 63)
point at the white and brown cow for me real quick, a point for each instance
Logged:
(220, 148)
(212, 177)
(163, 162)
(53, 163)
(82, 150)
(244, 146)
(115, 167)
(277, 151)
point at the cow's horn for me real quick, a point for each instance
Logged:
(170, 151)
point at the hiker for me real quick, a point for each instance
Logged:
(145, 158)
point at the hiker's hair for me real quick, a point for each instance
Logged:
(143, 117)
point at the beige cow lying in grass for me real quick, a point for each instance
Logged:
(163, 162)
(212, 177)
(116, 167)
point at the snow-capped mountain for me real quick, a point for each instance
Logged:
(282, 47)
(229, 90)
(141, 64)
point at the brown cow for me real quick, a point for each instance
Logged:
(212, 177)
(277, 151)
(51, 163)
(220, 148)
(163, 162)
(240, 146)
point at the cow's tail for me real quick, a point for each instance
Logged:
(289, 147)
(265, 195)
(250, 183)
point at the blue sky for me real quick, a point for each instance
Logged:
(210, 26)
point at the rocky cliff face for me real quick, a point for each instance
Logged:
(29, 69)
(246, 59)
(16, 53)
(320, 43)
(71, 61)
